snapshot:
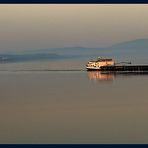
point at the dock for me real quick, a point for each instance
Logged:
(124, 68)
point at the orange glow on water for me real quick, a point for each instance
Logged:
(98, 75)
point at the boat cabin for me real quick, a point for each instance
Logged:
(100, 62)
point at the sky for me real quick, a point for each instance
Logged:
(41, 26)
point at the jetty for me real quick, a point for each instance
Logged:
(125, 68)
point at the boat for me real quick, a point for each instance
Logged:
(99, 62)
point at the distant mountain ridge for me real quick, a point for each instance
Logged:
(136, 48)
(134, 44)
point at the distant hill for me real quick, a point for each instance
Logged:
(132, 50)
(132, 45)
(8, 58)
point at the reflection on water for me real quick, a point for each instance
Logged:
(110, 76)
(98, 75)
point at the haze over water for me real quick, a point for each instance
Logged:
(46, 94)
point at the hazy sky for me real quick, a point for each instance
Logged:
(58, 25)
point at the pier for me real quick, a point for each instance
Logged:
(124, 68)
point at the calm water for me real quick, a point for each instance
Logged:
(73, 107)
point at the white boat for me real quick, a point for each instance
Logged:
(96, 65)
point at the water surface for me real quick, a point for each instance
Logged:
(73, 107)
